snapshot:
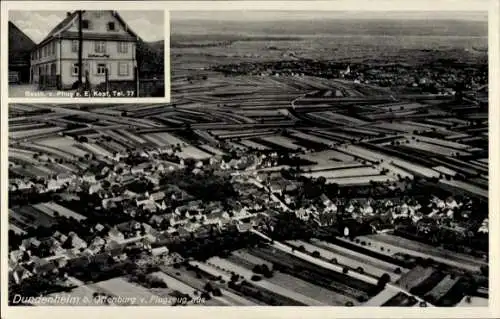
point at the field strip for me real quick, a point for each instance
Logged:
(356, 255)
(264, 283)
(341, 259)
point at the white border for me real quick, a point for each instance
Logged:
(492, 311)
(75, 5)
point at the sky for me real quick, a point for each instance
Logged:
(149, 25)
(310, 15)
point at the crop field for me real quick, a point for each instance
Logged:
(25, 134)
(310, 137)
(337, 118)
(281, 141)
(354, 264)
(362, 258)
(252, 144)
(323, 295)
(466, 186)
(435, 149)
(406, 246)
(442, 288)
(317, 275)
(163, 139)
(31, 217)
(66, 145)
(264, 283)
(328, 155)
(415, 277)
(193, 152)
(122, 288)
(345, 172)
(22, 156)
(400, 300)
(384, 296)
(334, 166)
(17, 230)
(51, 208)
(96, 149)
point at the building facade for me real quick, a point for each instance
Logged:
(108, 45)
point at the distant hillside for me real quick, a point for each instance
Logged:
(150, 58)
(378, 27)
(20, 46)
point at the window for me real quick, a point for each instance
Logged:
(101, 68)
(122, 47)
(74, 46)
(123, 69)
(100, 47)
(85, 24)
(111, 26)
(75, 69)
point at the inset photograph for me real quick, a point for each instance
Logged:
(86, 54)
(307, 158)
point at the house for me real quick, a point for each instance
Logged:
(276, 187)
(99, 228)
(244, 227)
(149, 206)
(115, 235)
(19, 274)
(157, 196)
(59, 236)
(159, 252)
(155, 180)
(89, 178)
(16, 255)
(43, 267)
(29, 244)
(484, 227)
(76, 242)
(108, 45)
(136, 170)
(217, 217)
(95, 188)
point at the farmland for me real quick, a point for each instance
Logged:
(287, 170)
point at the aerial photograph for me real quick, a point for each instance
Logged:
(86, 54)
(305, 159)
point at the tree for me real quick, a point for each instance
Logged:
(257, 269)
(208, 287)
(383, 280)
(217, 292)
(484, 270)
(316, 254)
(345, 270)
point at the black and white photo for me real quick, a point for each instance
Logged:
(86, 53)
(305, 158)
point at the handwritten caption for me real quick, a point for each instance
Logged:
(107, 300)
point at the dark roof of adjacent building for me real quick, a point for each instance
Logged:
(20, 46)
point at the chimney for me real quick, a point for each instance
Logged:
(68, 14)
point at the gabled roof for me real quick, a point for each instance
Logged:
(74, 15)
